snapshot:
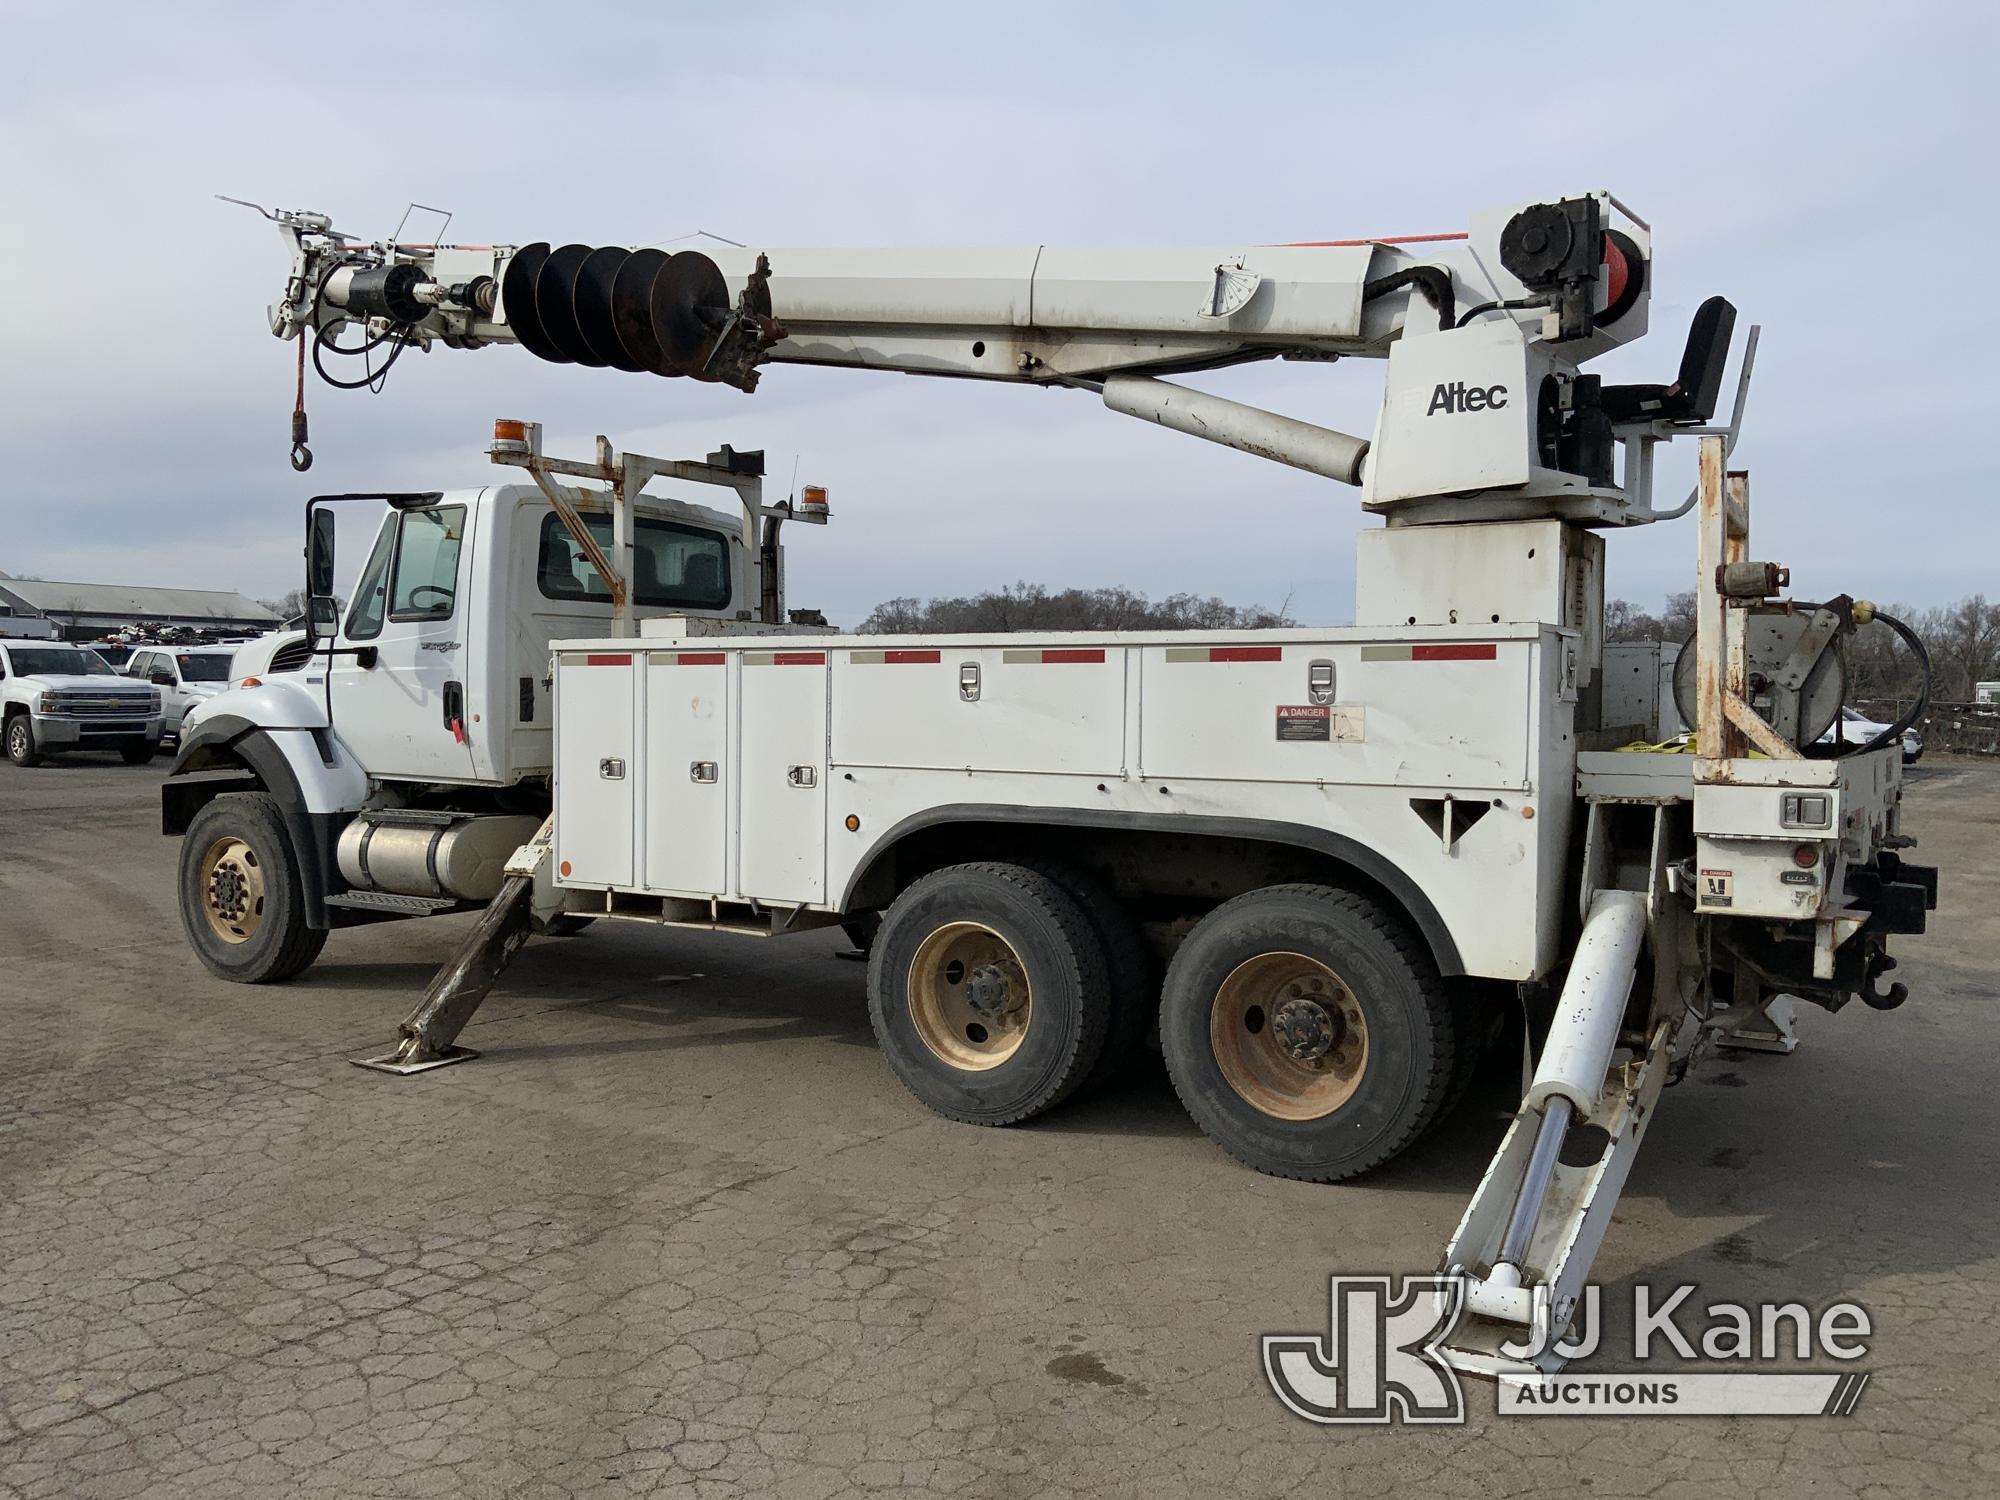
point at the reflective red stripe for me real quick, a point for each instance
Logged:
(1071, 654)
(1246, 653)
(1477, 651)
(912, 658)
(699, 659)
(798, 658)
(623, 659)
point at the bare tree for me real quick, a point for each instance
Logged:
(1032, 606)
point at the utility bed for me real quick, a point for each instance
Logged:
(718, 774)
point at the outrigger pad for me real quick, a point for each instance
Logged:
(392, 1062)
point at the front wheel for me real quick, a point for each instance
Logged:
(1306, 1032)
(21, 742)
(242, 902)
(138, 753)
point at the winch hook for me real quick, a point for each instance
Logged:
(302, 456)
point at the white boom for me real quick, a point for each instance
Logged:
(1486, 414)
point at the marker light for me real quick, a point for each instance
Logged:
(509, 436)
(812, 500)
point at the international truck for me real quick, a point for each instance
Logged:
(1321, 865)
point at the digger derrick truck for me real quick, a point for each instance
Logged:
(1323, 862)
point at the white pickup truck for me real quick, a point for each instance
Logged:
(56, 697)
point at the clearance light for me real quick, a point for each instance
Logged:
(509, 436)
(1805, 856)
(251, 682)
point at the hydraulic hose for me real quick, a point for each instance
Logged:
(1894, 733)
(1431, 281)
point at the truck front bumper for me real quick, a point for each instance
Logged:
(67, 732)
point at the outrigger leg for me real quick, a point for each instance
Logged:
(431, 1030)
(1527, 1241)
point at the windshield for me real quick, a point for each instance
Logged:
(57, 661)
(212, 668)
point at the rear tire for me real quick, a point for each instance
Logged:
(986, 987)
(242, 903)
(1306, 1032)
(1132, 975)
(21, 741)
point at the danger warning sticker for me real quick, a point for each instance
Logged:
(1718, 888)
(1305, 721)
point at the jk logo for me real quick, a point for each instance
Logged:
(1379, 1361)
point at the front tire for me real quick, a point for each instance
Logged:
(21, 741)
(242, 902)
(1306, 1032)
(139, 753)
(987, 991)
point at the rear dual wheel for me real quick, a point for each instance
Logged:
(988, 992)
(1307, 1033)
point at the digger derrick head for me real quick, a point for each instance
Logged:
(642, 311)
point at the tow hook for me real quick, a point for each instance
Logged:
(1888, 999)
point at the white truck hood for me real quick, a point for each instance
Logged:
(67, 682)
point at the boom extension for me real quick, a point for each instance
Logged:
(1485, 333)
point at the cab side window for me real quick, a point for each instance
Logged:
(426, 586)
(371, 594)
(141, 665)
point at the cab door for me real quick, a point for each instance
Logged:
(398, 693)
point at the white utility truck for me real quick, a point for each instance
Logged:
(1324, 862)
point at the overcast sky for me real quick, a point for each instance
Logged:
(1828, 167)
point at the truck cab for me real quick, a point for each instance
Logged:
(423, 708)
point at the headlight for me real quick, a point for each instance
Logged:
(46, 704)
(156, 700)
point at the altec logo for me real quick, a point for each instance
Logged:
(1458, 397)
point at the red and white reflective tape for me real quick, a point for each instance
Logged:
(689, 659)
(1441, 651)
(784, 658)
(608, 659)
(900, 658)
(1052, 655)
(1225, 653)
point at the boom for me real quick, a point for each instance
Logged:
(1484, 332)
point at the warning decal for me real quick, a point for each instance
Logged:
(1305, 721)
(1718, 888)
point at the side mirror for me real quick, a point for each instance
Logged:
(162, 679)
(319, 554)
(322, 618)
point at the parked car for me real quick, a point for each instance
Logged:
(1856, 728)
(185, 676)
(55, 697)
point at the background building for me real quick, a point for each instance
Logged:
(85, 611)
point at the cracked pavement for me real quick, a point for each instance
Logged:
(679, 1232)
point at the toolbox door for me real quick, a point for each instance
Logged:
(781, 787)
(687, 780)
(594, 771)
